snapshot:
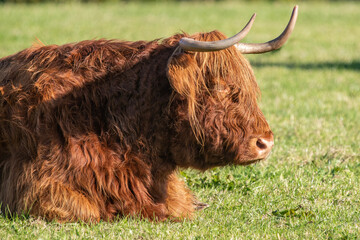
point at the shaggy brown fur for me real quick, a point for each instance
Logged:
(97, 129)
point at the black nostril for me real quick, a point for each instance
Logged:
(260, 144)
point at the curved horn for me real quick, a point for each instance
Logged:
(189, 44)
(273, 44)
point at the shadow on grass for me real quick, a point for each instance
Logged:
(354, 65)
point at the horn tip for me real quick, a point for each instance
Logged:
(296, 8)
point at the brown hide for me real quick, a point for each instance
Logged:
(96, 129)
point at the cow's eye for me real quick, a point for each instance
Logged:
(235, 98)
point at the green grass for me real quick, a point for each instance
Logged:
(308, 188)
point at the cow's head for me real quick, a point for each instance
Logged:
(217, 120)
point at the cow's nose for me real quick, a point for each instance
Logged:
(263, 146)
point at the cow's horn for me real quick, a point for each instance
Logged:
(273, 44)
(189, 44)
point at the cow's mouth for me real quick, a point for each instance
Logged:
(245, 162)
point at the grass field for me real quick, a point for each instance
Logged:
(310, 186)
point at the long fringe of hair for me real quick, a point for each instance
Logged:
(194, 74)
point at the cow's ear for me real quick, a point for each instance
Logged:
(184, 74)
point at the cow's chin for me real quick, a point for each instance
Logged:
(229, 159)
(247, 162)
(244, 162)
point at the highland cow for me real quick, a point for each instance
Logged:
(96, 129)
